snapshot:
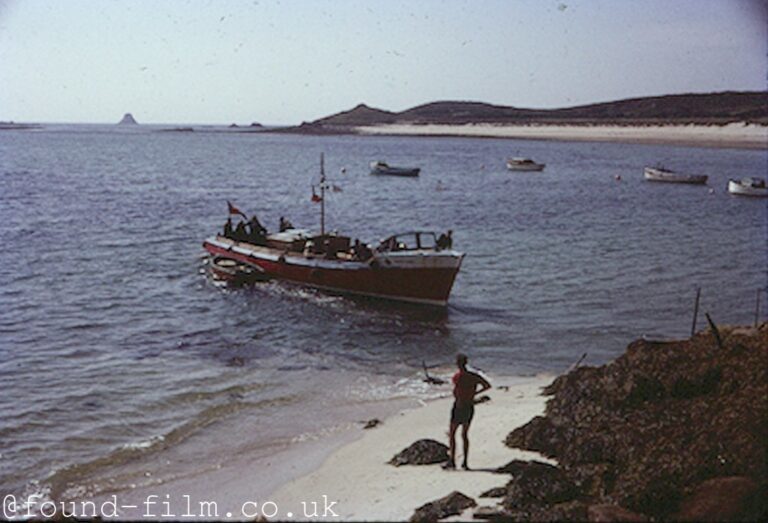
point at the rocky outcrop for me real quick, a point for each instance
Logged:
(648, 431)
(451, 505)
(128, 119)
(534, 483)
(422, 452)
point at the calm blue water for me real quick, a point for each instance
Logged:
(118, 358)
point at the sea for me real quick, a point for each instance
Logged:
(124, 366)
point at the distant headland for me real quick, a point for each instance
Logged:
(727, 119)
(706, 109)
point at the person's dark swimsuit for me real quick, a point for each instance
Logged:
(464, 386)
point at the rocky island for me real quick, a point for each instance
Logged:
(128, 119)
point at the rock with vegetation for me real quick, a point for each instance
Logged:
(421, 452)
(534, 483)
(647, 432)
(450, 505)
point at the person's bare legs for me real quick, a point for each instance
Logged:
(451, 446)
(465, 438)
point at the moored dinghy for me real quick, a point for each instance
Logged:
(524, 164)
(383, 168)
(748, 187)
(660, 174)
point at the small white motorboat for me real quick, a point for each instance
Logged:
(660, 174)
(382, 168)
(748, 187)
(524, 164)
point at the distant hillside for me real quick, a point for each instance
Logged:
(714, 108)
(360, 115)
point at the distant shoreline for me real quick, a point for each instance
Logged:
(734, 135)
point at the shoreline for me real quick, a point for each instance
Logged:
(365, 487)
(734, 135)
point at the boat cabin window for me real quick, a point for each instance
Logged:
(409, 242)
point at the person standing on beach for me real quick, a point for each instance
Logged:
(465, 388)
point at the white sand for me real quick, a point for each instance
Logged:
(364, 487)
(731, 135)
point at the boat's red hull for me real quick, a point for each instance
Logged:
(430, 285)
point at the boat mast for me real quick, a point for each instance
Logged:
(322, 194)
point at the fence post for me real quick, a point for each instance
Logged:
(695, 311)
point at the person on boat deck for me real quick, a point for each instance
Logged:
(228, 231)
(465, 388)
(257, 232)
(445, 241)
(285, 224)
(355, 251)
(240, 234)
(365, 252)
(360, 251)
(256, 227)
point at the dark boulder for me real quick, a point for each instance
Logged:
(535, 483)
(421, 452)
(450, 505)
(496, 513)
(539, 435)
(495, 492)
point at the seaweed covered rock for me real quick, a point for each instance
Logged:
(723, 499)
(645, 431)
(534, 483)
(421, 452)
(450, 505)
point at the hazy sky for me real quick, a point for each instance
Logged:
(284, 61)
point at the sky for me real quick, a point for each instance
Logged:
(287, 61)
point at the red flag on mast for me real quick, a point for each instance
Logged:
(235, 210)
(315, 197)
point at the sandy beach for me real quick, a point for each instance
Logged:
(736, 135)
(364, 486)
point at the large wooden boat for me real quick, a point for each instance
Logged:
(406, 267)
(415, 267)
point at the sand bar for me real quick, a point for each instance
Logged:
(364, 487)
(734, 135)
